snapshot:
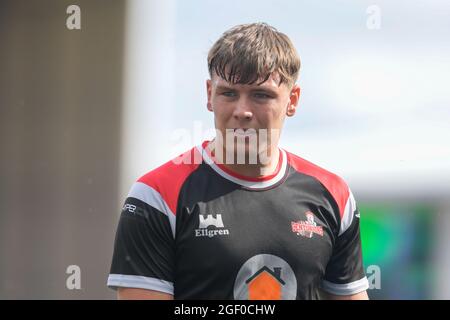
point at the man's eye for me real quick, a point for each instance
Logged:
(262, 96)
(229, 94)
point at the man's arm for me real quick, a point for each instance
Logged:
(358, 296)
(143, 258)
(141, 294)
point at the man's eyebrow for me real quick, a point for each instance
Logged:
(257, 89)
(265, 90)
(224, 87)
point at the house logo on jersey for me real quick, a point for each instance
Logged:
(307, 228)
(265, 284)
(265, 277)
(208, 221)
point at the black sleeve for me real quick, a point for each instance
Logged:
(143, 249)
(345, 274)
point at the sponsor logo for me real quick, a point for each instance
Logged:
(307, 228)
(129, 207)
(265, 277)
(210, 221)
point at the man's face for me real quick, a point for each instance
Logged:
(238, 107)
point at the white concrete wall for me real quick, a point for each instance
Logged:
(148, 87)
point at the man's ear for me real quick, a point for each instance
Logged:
(208, 94)
(293, 100)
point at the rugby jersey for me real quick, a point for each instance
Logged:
(195, 229)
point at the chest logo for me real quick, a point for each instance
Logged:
(307, 228)
(265, 277)
(207, 221)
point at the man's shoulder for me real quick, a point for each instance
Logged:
(335, 184)
(307, 167)
(161, 186)
(175, 170)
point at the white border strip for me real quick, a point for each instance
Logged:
(245, 183)
(349, 211)
(346, 288)
(153, 198)
(141, 282)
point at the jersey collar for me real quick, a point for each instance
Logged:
(263, 182)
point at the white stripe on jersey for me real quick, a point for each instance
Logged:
(349, 213)
(141, 282)
(153, 198)
(346, 288)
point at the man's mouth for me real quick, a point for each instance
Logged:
(242, 132)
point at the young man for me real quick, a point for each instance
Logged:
(238, 217)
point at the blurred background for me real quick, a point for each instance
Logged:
(92, 98)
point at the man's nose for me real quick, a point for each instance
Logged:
(242, 110)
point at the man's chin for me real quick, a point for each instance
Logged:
(246, 145)
(247, 151)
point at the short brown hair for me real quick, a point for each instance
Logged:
(248, 52)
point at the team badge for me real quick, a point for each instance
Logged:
(307, 228)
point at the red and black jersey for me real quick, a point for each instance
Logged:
(197, 230)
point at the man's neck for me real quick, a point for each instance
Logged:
(259, 169)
